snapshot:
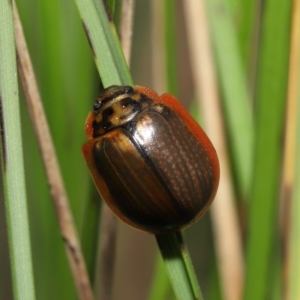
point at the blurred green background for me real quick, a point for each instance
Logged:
(69, 84)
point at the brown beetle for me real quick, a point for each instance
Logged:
(150, 160)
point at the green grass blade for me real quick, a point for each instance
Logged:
(90, 228)
(160, 283)
(247, 30)
(179, 267)
(106, 48)
(270, 97)
(234, 89)
(191, 272)
(171, 47)
(12, 161)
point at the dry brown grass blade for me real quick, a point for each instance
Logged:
(107, 250)
(158, 59)
(126, 27)
(55, 181)
(290, 133)
(288, 179)
(227, 235)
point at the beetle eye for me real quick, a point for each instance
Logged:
(97, 105)
(128, 89)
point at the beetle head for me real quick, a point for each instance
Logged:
(115, 106)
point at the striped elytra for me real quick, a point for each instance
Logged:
(150, 161)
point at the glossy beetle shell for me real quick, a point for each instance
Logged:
(150, 160)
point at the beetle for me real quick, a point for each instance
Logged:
(150, 160)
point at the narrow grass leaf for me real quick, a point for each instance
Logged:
(181, 272)
(105, 47)
(160, 282)
(12, 161)
(171, 47)
(247, 33)
(270, 105)
(232, 78)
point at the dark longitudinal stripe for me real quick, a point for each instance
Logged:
(170, 204)
(132, 184)
(2, 139)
